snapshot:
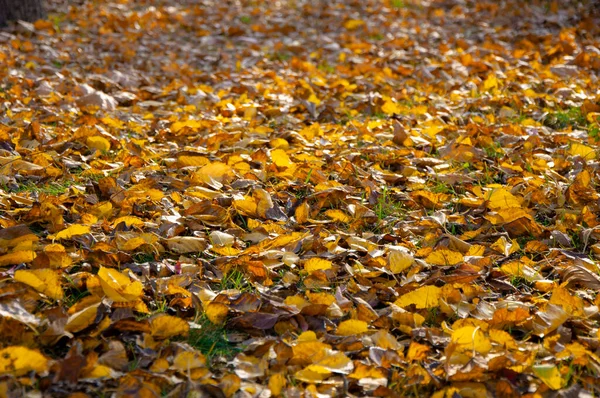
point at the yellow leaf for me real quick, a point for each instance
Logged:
(73, 230)
(444, 257)
(399, 260)
(550, 375)
(193, 124)
(277, 383)
(500, 198)
(166, 326)
(45, 281)
(57, 256)
(586, 152)
(17, 361)
(118, 286)
(247, 207)
(352, 24)
(310, 374)
(98, 142)
(82, 319)
(187, 360)
(391, 108)
(336, 362)
(216, 312)
(338, 216)
(280, 158)
(99, 372)
(520, 269)
(263, 201)
(423, 297)
(490, 82)
(213, 174)
(18, 257)
(301, 213)
(129, 221)
(315, 264)
(187, 161)
(573, 305)
(352, 327)
(471, 338)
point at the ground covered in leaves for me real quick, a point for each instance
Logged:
(329, 198)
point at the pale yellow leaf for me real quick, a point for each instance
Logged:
(423, 297)
(352, 327)
(69, 232)
(317, 264)
(45, 281)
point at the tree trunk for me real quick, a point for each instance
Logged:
(26, 10)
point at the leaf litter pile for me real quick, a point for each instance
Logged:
(320, 198)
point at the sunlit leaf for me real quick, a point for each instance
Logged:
(316, 264)
(444, 257)
(550, 375)
(18, 257)
(118, 286)
(216, 312)
(167, 326)
(423, 297)
(71, 231)
(45, 281)
(17, 361)
(351, 327)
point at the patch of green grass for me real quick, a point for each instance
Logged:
(52, 188)
(142, 257)
(572, 117)
(235, 279)
(246, 19)
(325, 67)
(280, 56)
(494, 151)
(440, 187)
(211, 340)
(387, 206)
(594, 133)
(398, 3)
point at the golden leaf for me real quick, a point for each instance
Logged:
(445, 257)
(118, 286)
(216, 312)
(277, 383)
(280, 158)
(18, 361)
(82, 319)
(399, 260)
(57, 256)
(471, 338)
(301, 213)
(17, 257)
(129, 221)
(351, 327)
(317, 264)
(338, 216)
(97, 142)
(166, 326)
(550, 375)
(73, 230)
(353, 24)
(423, 297)
(45, 281)
(586, 152)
